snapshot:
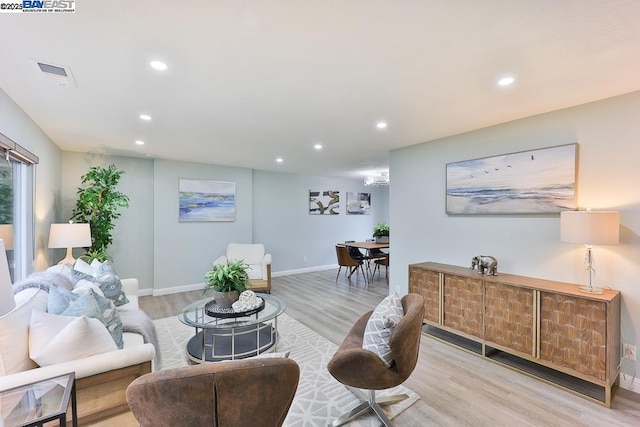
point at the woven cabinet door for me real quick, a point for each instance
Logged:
(573, 333)
(427, 283)
(509, 317)
(463, 308)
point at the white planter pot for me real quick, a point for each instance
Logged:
(382, 239)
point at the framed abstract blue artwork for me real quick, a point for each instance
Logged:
(207, 200)
(538, 181)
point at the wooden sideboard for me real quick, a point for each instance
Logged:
(546, 329)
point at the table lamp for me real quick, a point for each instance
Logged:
(6, 234)
(590, 228)
(71, 235)
(7, 302)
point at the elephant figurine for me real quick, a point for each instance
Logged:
(486, 265)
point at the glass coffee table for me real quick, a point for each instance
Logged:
(226, 335)
(39, 402)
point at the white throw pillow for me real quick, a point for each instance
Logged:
(83, 286)
(64, 269)
(83, 267)
(14, 333)
(55, 339)
(380, 326)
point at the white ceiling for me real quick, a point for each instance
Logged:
(252, 80)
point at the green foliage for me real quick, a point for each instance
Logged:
(98, 204)
(99, 254)
(228, 277)
(6, 195)
(381, 229)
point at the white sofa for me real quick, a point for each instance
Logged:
(258, 261)
(101, 379)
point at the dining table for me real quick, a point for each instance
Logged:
(368, 246)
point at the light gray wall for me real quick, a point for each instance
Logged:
(281, 218)
(133, 235)
(184, 251)
(166, 254)
(15, 124)
(608, 134)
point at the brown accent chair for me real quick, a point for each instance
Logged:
(362, 369)
(256, 391)
(346, 260)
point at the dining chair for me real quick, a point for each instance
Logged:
(346, 260)
(374, 255)
(381, 262)
(355, 252)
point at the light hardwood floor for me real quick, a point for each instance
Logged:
(456, 388)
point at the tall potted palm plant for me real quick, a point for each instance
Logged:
(98, 204)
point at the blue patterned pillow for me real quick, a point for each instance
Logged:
(380, 326)
(89, 304)
(104, 276)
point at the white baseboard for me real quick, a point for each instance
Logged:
(178, 289)
(200, 286)
(145, 292)
(304, 270)
(630, 382)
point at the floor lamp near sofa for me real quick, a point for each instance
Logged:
(590, 228)
(7, 302)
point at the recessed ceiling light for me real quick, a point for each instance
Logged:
(139, 142)
(145, 117)
(318, 146)
(158, 65)
(279, 160)
(506, 81)
(381, 125)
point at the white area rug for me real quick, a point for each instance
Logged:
(319, 398)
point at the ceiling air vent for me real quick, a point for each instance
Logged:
(54, 73)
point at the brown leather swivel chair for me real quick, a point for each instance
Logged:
(256, 391)
(362, 369)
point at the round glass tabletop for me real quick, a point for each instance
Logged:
(195, 314)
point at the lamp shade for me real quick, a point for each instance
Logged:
(69, 235)
(7, 302)
(6, 234)
(590, 227)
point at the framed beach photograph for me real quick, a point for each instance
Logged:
(358, 203)
(324, 202)
(538, 181)
(207, 200)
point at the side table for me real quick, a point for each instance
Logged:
(39, 402)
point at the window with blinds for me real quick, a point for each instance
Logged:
(17, 171)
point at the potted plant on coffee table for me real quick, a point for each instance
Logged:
(381, 232)
(227, 280)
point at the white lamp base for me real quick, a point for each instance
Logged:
(69, 259)
(591, 290)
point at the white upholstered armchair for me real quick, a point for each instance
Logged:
(259, 264)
